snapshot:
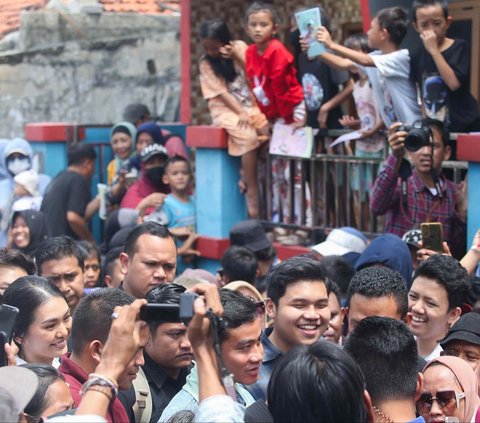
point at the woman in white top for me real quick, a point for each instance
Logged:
(439, 289)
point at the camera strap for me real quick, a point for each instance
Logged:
(404, 171)
(436, 181)
(434, 172)
(225, 376)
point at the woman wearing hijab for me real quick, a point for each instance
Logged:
(28, 229)
(450, 389)
(152, 133)
(122, 136)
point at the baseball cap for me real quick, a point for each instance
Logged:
(467, 329)
(153, 150)
(29, 180)
(250, 234)
(412, 237)
(17, 387)
(342, 241)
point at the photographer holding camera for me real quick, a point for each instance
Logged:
(415, 191)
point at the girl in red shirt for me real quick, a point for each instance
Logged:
(271, 69)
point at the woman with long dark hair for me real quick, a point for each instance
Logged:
(230, 101)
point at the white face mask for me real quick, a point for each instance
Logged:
(18, 165)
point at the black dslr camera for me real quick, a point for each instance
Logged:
(419, 135)
(170, 313)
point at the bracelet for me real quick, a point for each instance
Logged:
(98, 389)
(112, 381)
(99, 380)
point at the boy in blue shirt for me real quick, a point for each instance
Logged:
(178, 210)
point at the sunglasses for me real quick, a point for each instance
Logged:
(443, 398)
(260, 305)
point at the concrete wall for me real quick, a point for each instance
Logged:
(85, 68)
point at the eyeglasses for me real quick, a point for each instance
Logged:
(443, 398)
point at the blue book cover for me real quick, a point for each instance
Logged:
(308, 22)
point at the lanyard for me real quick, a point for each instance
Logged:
(225, 376)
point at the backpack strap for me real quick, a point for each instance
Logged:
(142, 408)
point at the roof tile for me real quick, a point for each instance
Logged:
(10, 9)
(142, 6)
(10, 13)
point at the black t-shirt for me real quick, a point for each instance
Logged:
(162, 389)
(68, 191)
(320, 83)
(458, 109)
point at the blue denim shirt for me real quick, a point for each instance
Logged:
(271, 354)
(187, 397)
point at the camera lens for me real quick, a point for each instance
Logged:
(417, 138)
(414, 141)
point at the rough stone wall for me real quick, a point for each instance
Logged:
(86, 68)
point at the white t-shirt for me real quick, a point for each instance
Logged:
(394, 92)
(368, 114)
(434, 354)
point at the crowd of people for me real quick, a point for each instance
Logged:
(357, 329)
(352, 331)
(426, 87)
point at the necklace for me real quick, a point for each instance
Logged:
(384, 417)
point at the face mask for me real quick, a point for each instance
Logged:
(155, 175)
(17, 165)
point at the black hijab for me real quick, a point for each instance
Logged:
(37, 224)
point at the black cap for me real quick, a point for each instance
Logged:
(153, 150)
(466, 329)
(249, 234)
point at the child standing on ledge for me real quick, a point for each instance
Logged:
(231, 105)
(272, 76)
(271, 69)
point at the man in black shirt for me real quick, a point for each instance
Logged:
(168, 357)
(67, 202)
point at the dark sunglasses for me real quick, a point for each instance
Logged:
(443, 398)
